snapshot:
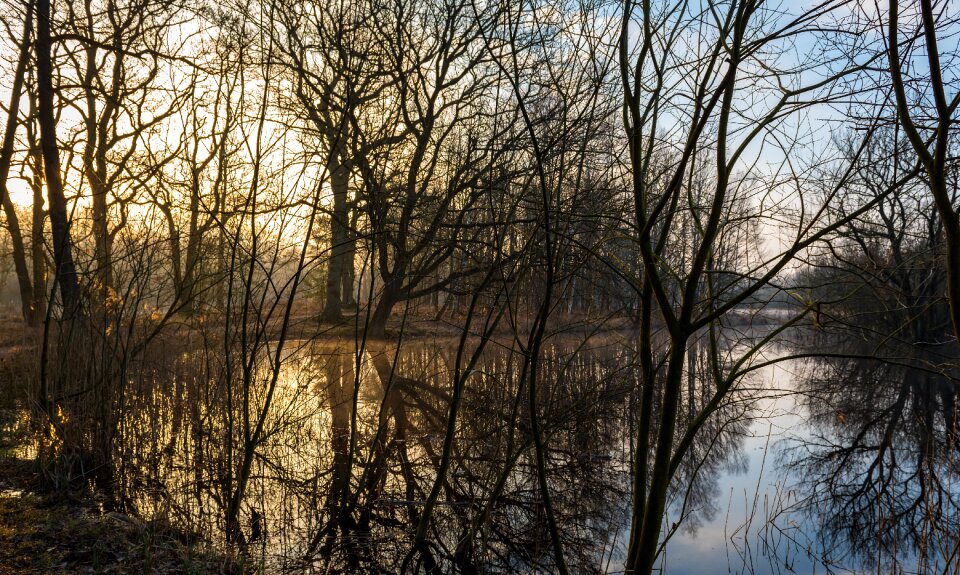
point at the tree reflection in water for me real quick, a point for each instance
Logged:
(340, 483)
(369, 515)
(879, 468)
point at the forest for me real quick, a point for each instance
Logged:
(479, 286)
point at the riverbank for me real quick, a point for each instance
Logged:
(69, 531)
(49, 529)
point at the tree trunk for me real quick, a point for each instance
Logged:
(19, 260)
(333, 303)
(66, 271)
(388, 299)
(349, 276)
(644, 552)
(38, 256)
(102, 248)
(6, 155)
(94, 163)
(188, 289)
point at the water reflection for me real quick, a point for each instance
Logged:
(353, 445)
(880, 465)
(370, 513)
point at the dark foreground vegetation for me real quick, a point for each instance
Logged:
(51, 524)
(70, 533)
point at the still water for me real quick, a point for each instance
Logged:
(809, 467)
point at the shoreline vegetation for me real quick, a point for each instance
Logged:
(70, 532)
(48, 525)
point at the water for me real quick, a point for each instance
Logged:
(323, 498)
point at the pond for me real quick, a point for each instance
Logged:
(808, 467)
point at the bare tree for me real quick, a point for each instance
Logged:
(336, 60)
(30, 313)
(686, 73)
(930, 137)
(422, 192)
(65, 269)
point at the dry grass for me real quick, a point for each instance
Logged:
(56, 535)
(68, 532)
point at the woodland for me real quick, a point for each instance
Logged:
(479, 286)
